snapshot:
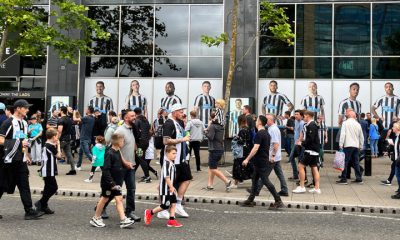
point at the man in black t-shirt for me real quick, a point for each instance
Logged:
(262, 165)
(289, 133)
(64, 127)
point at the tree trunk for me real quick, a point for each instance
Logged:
(3, 44)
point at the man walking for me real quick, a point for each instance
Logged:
(86, 135)
(143, 129)
(298, 127)
(64, 127)
(351, 141)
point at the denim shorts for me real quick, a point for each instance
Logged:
(213, 158)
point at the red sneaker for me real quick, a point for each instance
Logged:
(174, 223)
(147, 216)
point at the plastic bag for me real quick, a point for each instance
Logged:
(339, 160)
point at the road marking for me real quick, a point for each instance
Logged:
(368, 216)
(277, 212)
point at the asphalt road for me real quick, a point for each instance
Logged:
(207, 221)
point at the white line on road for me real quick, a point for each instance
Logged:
(280, 212)
(370, 216)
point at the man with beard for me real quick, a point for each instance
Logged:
(171, 98)
(204, 103)
(101, 102)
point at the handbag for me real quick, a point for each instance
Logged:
(338, 161)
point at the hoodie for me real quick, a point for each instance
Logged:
(196, 129)
(215, 135)
(98, 152)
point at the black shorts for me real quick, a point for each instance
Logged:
(214, 156)
(183, 172)
(167, 200)
(108, 193)
(309, 160)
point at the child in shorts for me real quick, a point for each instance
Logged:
(111, 182)
(167, 190)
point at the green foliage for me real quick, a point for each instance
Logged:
(31, 33)
(214, 41)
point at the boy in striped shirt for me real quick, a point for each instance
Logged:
(167, 190)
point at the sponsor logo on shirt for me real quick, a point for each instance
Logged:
(387, 109)
(271, 107)
(313, 109)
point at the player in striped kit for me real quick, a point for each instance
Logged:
(171, 98)
(135, 99)
(274, 101)
(350, 103)
(233, 118)
(101, 101)
(314, 102)
(56, 106)
(389, 103)
(204, 103)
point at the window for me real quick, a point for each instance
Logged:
(313, 67)
(136, 67)
(386, 29)
(386, 68)
(101, 67)
(358, 68)
(205, 67)
(170, 67)
(276, 67)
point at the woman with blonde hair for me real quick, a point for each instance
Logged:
(135, 99)
(374, 137)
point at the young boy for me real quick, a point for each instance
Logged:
(111, 182)
(48, 170)
(167, 190)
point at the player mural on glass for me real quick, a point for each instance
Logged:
(389, 104)
(135, 99)
(350, 103)
(314, 102)
(274, 101)
(204, 103)
(233, 118)
(171, 98)
(101, 101)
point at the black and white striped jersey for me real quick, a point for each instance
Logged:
(168, 101)
(205, 104)
(314, 104)
(219, 115)
(348, 103)
(233, 122)
(14, 132)
(168, 170)
(104, 103)
(390, 107)
(322, 132)
(57, 106)
(49, 161)
(138, 101)
(274, 102)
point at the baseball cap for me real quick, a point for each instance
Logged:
(176, 107)
(21, 103)
(2, 106)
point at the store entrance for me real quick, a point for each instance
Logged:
(38, 104)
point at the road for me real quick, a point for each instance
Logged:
(207, 221)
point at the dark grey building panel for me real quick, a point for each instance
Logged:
(111, 2)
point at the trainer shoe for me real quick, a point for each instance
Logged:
(147, 216)
(78, 168)
(174, 223)
(163, 214)
(88, 180)
(342, 182)
(316, 191)
(300, 189)
(40, 208)
(126, 222)
(181, 212)
(248, 203)
(32, 214)
(386, 183)
(71, 172)
(132, 216)
(283, 194)
(396, 196)
(97, 222)
(228, 186)
(276, 205)
(359, 181)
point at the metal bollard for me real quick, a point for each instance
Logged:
(368, 162)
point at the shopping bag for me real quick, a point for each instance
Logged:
(338, 161)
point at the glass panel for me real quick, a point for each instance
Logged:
(205, 67)
(108, 18)
(276, 67)
(352, 30)
(170, 67)
(271, 46)
(205, 20)
(33, 66)
(8, 86)
(136, 67)
(101, 67)
(386, 29)
(314, 30)
(32, 84)
(386, 68)
(313, 68)
(174, 21)
(137, 30)
(352, 68)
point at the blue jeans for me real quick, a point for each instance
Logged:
(397, 169)
(351, 158)
(289, 142)
(292, 160)
(85, 148)
(374, 147)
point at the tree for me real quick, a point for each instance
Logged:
(272, 19)
(25, 29)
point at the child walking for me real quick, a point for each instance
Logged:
(111, 182)
(48, 171)
(98, 152)
(167, 190)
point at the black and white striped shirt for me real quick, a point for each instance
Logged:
(348, 103)
(14, 132)
(314, 104)
(390, 107)
(205, 105)
(49, 161)
(274, 102)
(57, 106)
(168, 101)
(168, 170)
(233, 122)
(104, 103)
(322, 132)
(138, 101)
(219, 115)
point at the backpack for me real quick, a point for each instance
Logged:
(237, 149)
(158, 135)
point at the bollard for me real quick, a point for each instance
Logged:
(368, 162)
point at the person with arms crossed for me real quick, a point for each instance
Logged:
(390, 106)
(314, 102)
(171, 99)
(135, 99)
(204, 103)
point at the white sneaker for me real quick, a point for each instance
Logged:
(126, 222)
(98, 169)
(163, 214)
(317, 191)
(97, 222)
(78, 168)
(180, 211)
(88, 180)
(300, 190)
(234, 186)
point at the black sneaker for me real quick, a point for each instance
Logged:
(1, 216)
(40, 208)
(156, 174)
(276, 205)
(342, 182)
(71, 172)
(104, 214)
(145, 179)
(283, 194)
(397, 196)
(293, 179)
(32, 214)
(311, 185)
(359, 181)
(133, 217)
(386, 183)
(248, 203)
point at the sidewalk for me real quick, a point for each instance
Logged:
(352, 197)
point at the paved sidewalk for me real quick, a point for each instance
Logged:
(370, 194)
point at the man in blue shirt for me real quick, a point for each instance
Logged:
(298, 127)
